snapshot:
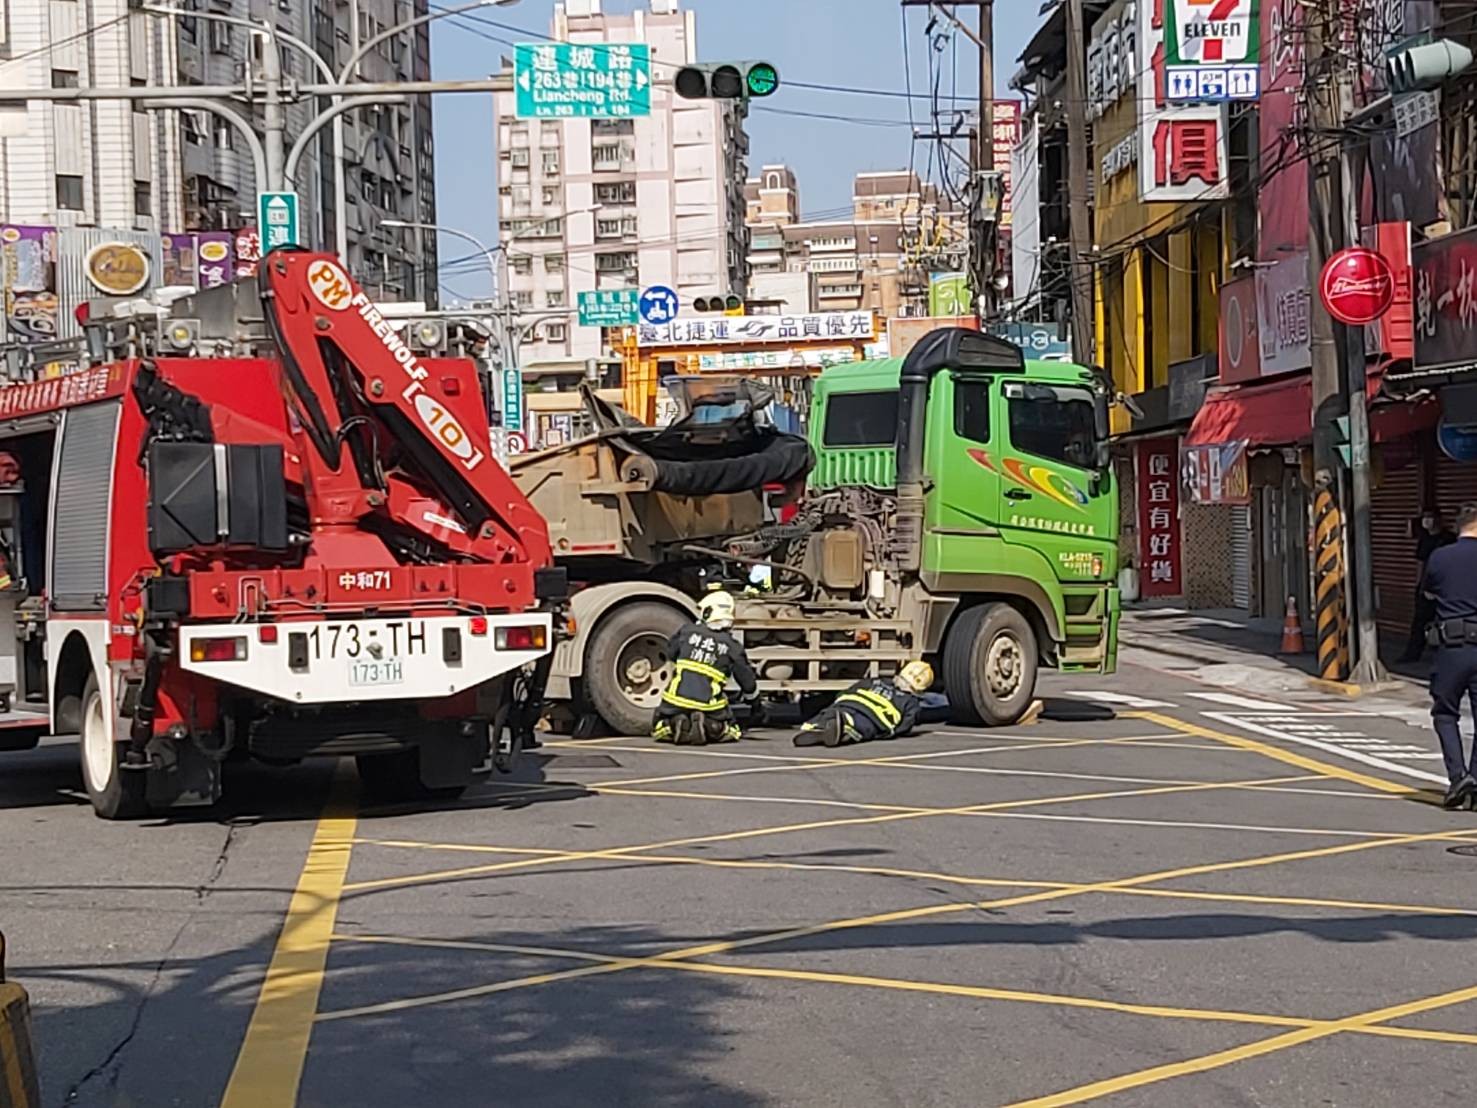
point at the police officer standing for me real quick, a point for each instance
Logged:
(1451, 581)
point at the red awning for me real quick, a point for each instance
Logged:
(1280, 413)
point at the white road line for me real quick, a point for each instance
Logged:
(1261, 727)
(1118, 698)
(1246, 702)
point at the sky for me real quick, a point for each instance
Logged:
(853, 43)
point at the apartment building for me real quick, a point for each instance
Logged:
(600, 204)
(114, 167)
(772, 200)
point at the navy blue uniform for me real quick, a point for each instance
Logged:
(870, 710)
(1451, 579)
(704, 660)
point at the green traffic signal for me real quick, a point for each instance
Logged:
(762, 79)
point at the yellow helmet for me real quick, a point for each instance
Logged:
(716, 610)
(915, 677)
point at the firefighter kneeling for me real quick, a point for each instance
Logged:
(694, 708)
(870, 710)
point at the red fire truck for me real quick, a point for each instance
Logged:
(260, 525)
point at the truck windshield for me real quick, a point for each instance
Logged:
(1055, 422)
(861, 419)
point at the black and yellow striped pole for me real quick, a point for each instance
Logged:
(18, 1084)
(1332, 612)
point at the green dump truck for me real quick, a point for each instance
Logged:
(959, 506)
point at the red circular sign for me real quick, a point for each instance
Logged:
(1358, 286)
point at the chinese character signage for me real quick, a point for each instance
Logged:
(1284, 315)
(845, 326)
(1282, 198)
(778, 358)
(1112, 59)
(1445, 281)
(1216, 473)
(1159, 517)
(1182, 148)
(1007, 132)
(577, 80)
(609, 308)
(948, 294)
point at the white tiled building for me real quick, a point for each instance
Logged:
(595, 204)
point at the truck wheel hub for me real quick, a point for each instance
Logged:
(1004, 666)
(643, 670)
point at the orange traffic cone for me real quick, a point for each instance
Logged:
(1292, 629)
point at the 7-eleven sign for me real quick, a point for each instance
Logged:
(1211, 32)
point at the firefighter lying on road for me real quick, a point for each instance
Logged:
(694, 708)
(877, 708)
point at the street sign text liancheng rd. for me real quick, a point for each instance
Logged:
(567, 80)
(609, 308)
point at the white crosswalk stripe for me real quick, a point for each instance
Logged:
(1235, 701)
(1122, 699)
(1337, 736)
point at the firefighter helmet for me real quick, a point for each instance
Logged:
(915, 677)
(716, 610)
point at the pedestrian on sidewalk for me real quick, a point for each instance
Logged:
(1434, 535)
(1451, 579)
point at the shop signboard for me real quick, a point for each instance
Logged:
(1216, 473)
(1159, 517)
(1446, 301)
(28, 277)
(857, 326)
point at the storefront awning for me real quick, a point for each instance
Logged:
(1280, 413)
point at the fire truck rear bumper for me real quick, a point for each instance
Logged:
(338, 661)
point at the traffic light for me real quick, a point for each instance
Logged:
(727, 81)
(1427, 67)
(730, 304)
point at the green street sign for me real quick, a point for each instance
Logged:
(277, 220)
(570, 80)
(610, 308)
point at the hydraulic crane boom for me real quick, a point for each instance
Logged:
(418, 466)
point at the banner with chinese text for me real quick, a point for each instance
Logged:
(1159, 517)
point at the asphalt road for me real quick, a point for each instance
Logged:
(1154, 896)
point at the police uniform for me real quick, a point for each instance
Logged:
(869, 710)
(705, 660)
(1451, 579)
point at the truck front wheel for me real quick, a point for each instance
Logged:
(626, 665)
(990, 656)
(115, 793)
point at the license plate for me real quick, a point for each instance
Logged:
(390, 672)
(368, 642)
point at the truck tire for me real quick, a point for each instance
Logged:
(990, 657)
(116, 794)
(626, 665)
(397, 777)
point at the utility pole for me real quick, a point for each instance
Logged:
(274, 117)
(1079, 235)
(1338, 357)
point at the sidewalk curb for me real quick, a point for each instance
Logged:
(1189, 655)
(1356, 692)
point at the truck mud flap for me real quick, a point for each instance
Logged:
(450, 758)
(180, 775)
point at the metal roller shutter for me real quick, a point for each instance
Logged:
(1241, 557)
(84, 483)
(1456, 484)
(1392, 506)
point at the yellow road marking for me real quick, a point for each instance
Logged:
(1302, 761)
(1277, 1043)
(978, 992)
(729, 945)
(961, 879)
(814, 825)
(270, 1063)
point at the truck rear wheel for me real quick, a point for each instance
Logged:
(114, 792)
(626, 665)
(990, 656)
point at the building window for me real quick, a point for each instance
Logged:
(225, 134)
(551, 163)
(553, 263)
(554, 298)
(522, 196)
(551, 194)
(614, 263)
(524, 299)
(523, 265)
(607, 228)
(68, 192)
(220, 37)
(607, 156)
(143, 198)
(555, 332)
(621, 192)
(63, 78)
(519, 157)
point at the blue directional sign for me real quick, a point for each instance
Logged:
(1212, 84)
(658, 305)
